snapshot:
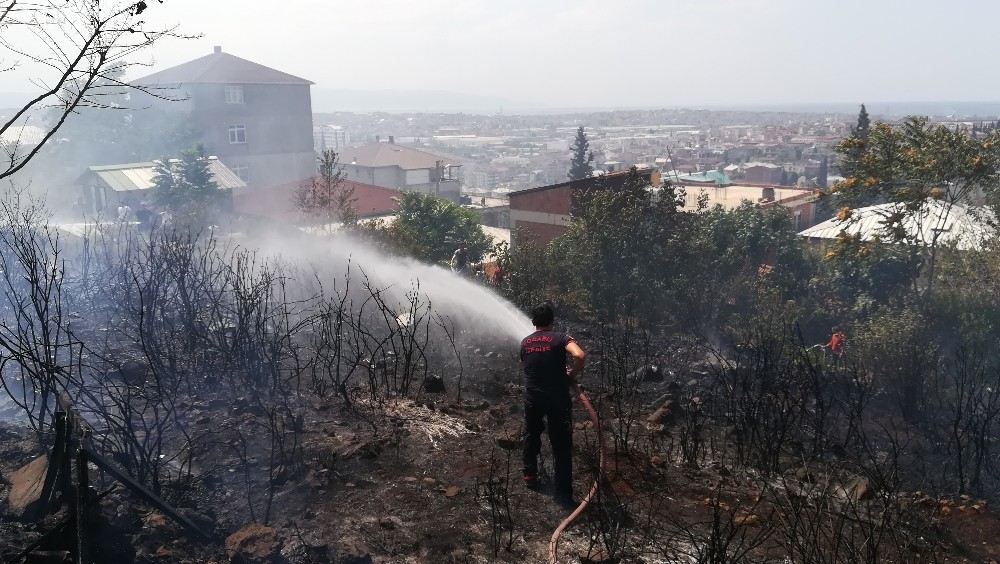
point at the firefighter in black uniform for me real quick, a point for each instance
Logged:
(547, 401)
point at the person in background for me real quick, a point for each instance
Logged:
(837, 341)
(143, 215)
(460, 260)
(547, 400)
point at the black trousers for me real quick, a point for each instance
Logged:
(541, 409)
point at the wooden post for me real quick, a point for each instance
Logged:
(82, 508)
(53, 480)
(65, 476)
(64, 480)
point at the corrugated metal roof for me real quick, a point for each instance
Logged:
(224, 176)
(952, 224)
(25, 136)
(139, 176)
(118, 181)
(81, 230)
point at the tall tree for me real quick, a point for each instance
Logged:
(327, 196)
(822, 178)
(852, 148)
(198, 177)
(579, 165)
(187, 187)
(166, 181)
(863, 128)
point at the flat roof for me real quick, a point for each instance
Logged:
(733, 196)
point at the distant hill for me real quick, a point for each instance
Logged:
(328, 100)
(889, 109)
(338, 100)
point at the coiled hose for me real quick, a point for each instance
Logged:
(554, 541)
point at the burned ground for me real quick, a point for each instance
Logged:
(434, 479)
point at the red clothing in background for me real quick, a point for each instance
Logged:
(836, 343)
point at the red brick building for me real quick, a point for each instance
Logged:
(542, 214)
(279, 202)
(801, 208)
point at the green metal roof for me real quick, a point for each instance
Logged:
(709, 176)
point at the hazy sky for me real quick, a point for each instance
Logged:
(570, 53)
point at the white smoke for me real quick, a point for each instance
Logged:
(475, 309)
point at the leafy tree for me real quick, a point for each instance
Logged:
(738, 242)
(855, 277)
(529, 273)
(733, 255)
(969, 305)
(327, 196)
(622, 250)
(580, 165)
(914, 166)
(632, 255)
(430, 229)
(915, 162)
(187, 188)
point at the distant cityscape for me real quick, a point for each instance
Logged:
(262, 128)
(503, 153)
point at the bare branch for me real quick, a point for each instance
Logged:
(85, 45)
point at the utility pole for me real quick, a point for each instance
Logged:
(438, 172)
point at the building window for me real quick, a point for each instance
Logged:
(237, 134)
(234, 94)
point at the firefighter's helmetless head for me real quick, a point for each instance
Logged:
(543, 315)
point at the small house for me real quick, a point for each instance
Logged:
(106, 188)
